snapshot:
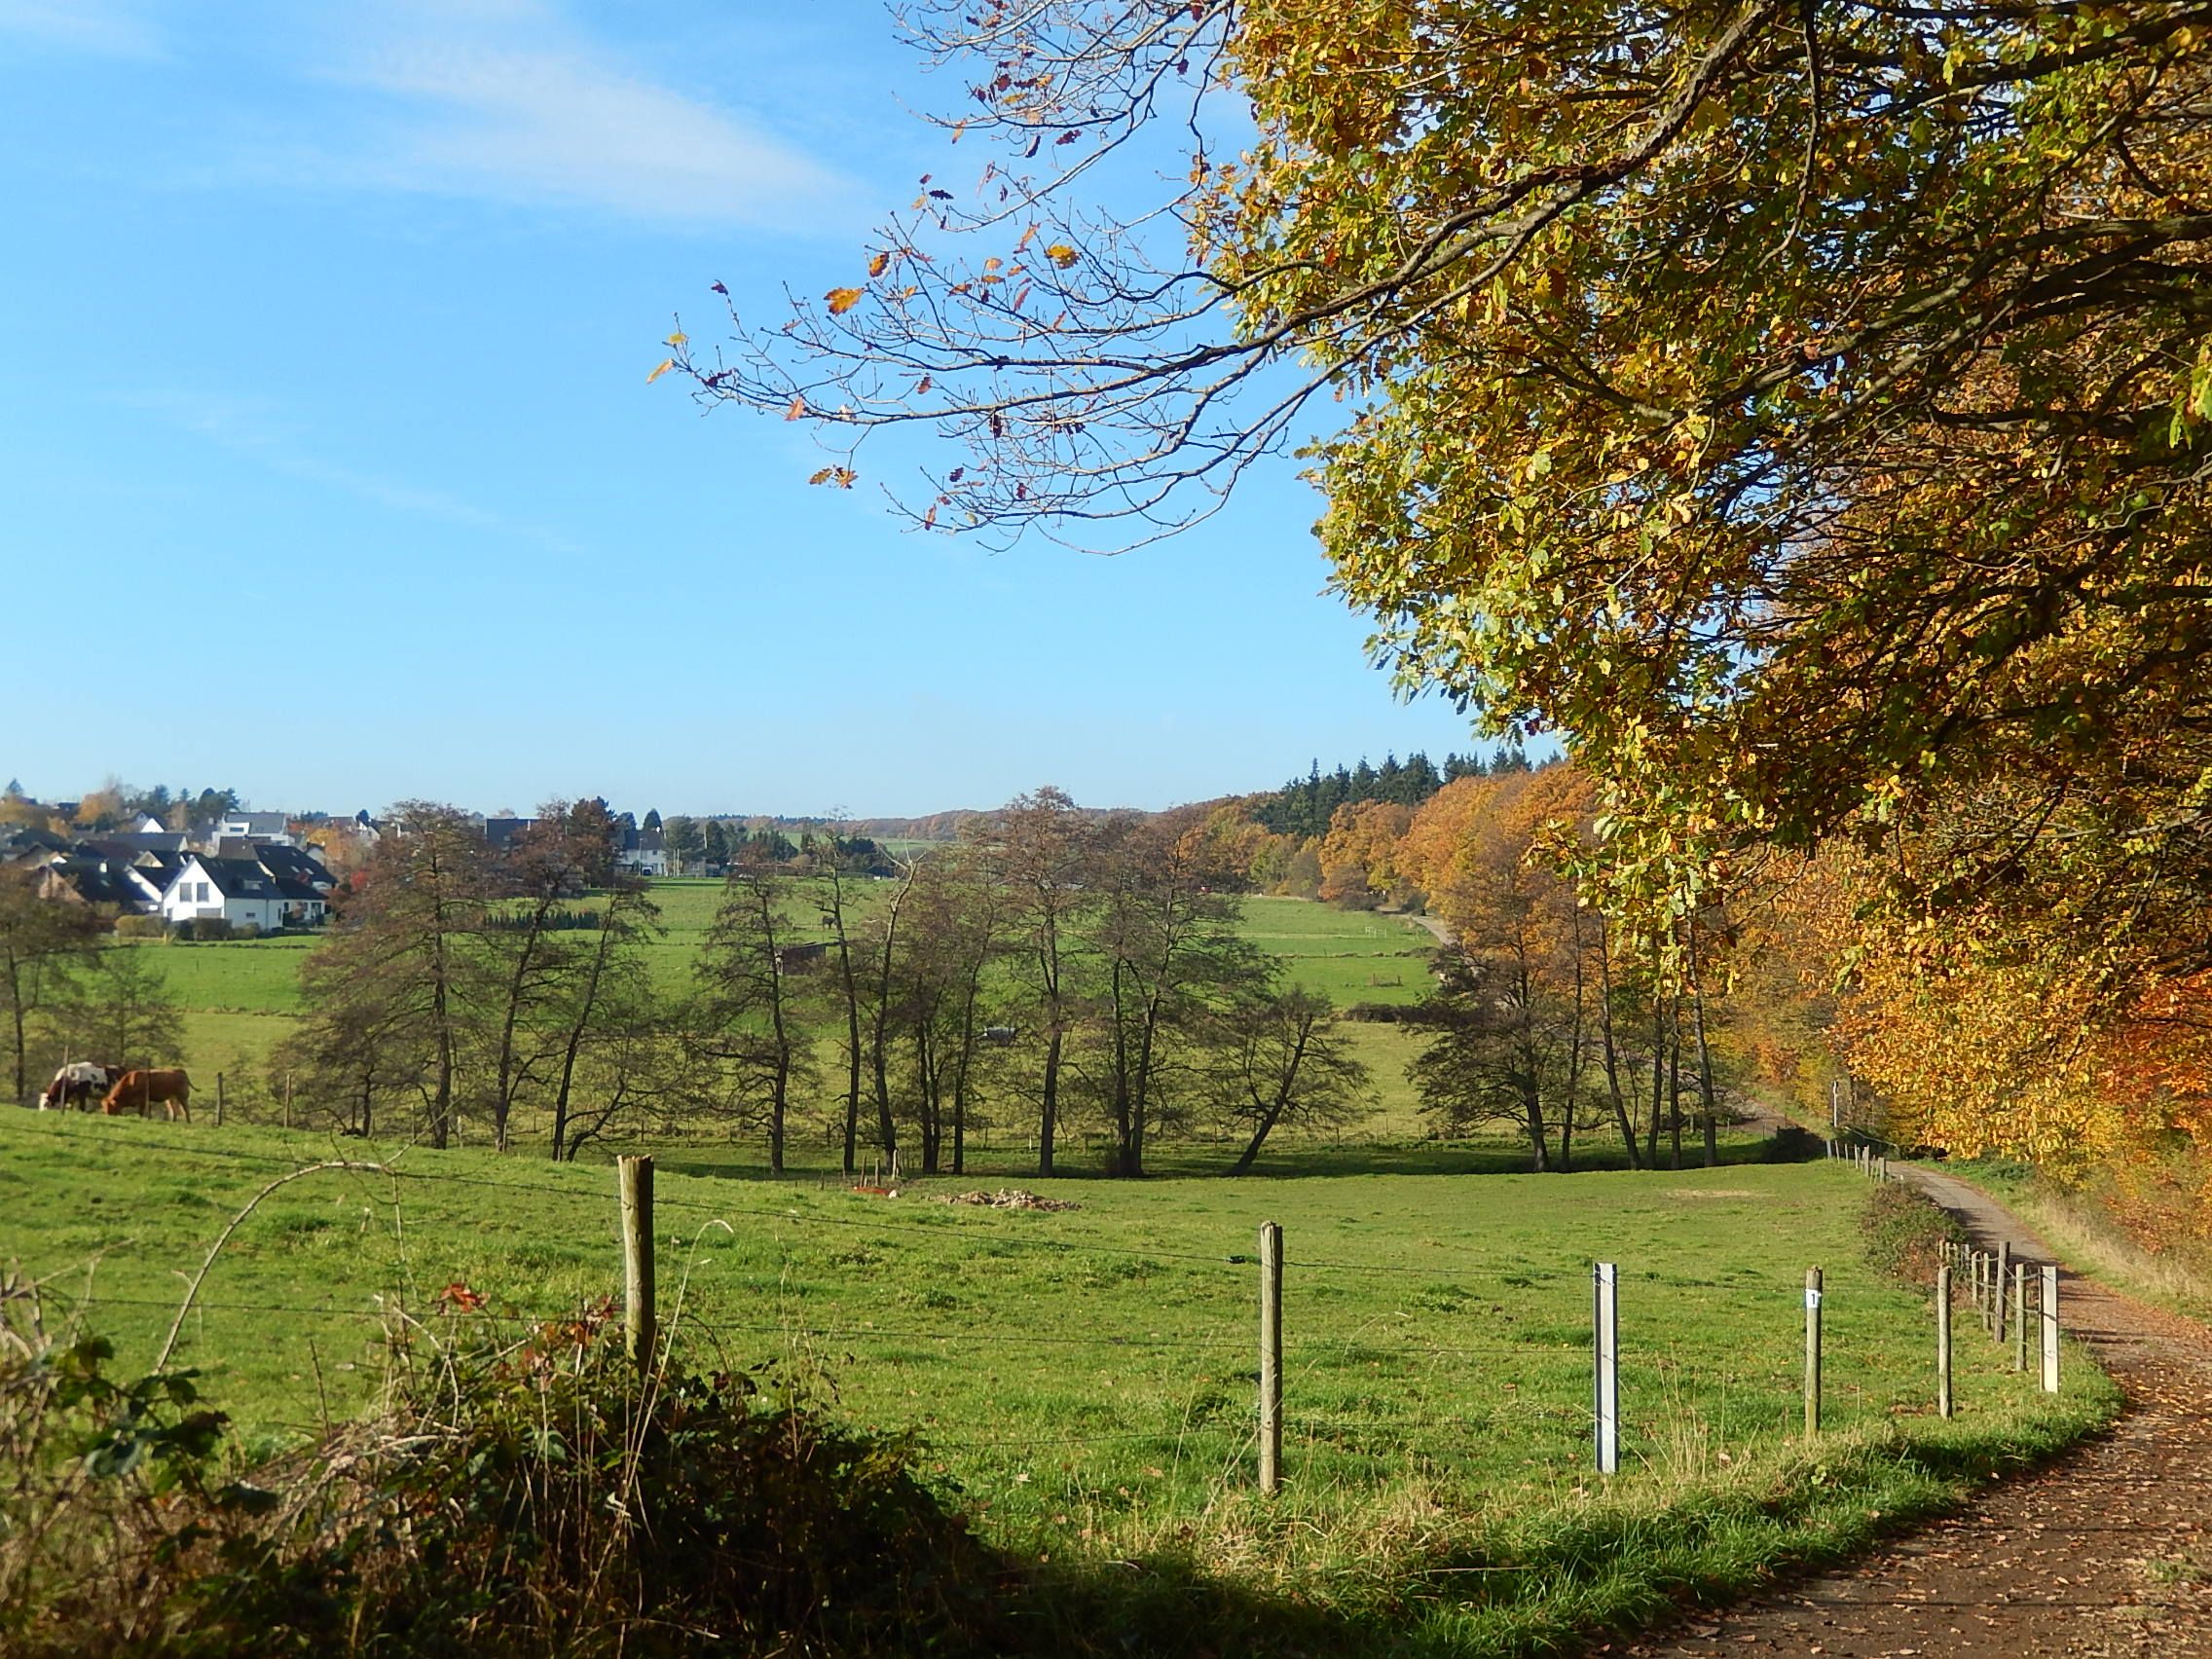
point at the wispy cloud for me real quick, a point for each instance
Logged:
(510, 102)
(256, 431)
(96, 26)
(539, 124)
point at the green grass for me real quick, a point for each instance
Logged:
(1350, 956)
(1084, 1380)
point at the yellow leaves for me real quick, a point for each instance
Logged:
(877, 265)
(1062, 255)
(660, 369)
(678, 340)
(796, 409)
(843, 477)
(843, 300)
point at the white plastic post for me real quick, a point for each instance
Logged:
(1605, 1325)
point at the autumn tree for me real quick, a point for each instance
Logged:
(1163, 954)
(1040, 848)
(953, 932)
(1806, 409)
(526, 954)
(403, 971)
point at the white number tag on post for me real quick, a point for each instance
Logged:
(1812, 1298)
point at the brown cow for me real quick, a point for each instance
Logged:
(146, 1090)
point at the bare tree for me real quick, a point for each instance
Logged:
(44, 944)
(405, 964)
(751, 1016)
(1287, 1064)
(1040, 848)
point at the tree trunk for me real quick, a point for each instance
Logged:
(1704, 1064)
(1049, 1107)
(852, 991)
(1658, 1080)
(1612, 1050)
(1675, 1076)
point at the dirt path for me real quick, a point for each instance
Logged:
(2106, 1552)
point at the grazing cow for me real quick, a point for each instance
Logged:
(146, 1090)
(76, 1084)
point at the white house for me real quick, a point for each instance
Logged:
(256, 827)
(240, 892)
(641, 851)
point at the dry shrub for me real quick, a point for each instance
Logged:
(507, 1499)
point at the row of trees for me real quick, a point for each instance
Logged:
(1054, 968)
(114, 806)
(1807, 409)
(1305, 806)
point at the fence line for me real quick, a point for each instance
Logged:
(1262, 1433)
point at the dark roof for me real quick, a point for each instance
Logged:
(123, 846)
(500, 833)
(239, 878)
(299, 891)
(21, 838)
(636, 840)
(97, 881)
(294, 865)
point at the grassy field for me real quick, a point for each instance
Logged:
(1351, 956)
(1083, 1382)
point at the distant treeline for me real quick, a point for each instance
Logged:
(1303, 806)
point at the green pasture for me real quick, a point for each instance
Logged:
(1084, 1382)
(1351, 956)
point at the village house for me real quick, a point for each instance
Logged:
(270, 826)
(240, 892)
(641, 851)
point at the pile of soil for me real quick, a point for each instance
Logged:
(1008, 1199)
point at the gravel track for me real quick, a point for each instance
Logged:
(2104, 1552)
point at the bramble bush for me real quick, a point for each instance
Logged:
(513, 1499)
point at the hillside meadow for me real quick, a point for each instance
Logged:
(1081, 1382)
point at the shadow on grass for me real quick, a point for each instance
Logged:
(1184, 1162)
(1552, 1580)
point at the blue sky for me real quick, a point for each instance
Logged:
(331, 473)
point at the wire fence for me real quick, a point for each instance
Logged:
(1553, 1375)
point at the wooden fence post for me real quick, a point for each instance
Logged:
(1943, 1342)
(1812, 1352)
(633, 1177)
(1271, 1356)
(218, 1100)
(1605, 1327)
(2051, 1328)
(2020, 1316)
(287, 1100)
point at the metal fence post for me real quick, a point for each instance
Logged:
(1605, 1324)
(2051, 1328)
